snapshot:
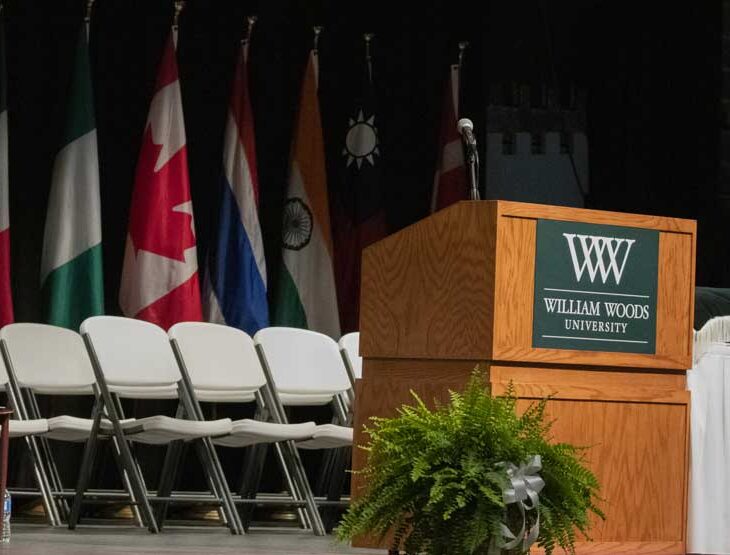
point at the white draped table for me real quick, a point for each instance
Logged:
(708, 529)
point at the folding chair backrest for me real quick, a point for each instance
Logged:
(303, 361)
(218, 357)
(350, 344)
(48, 359)
(131, 353)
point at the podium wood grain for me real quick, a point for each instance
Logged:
(457, 289)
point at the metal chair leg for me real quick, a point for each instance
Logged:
(253, 469)
(167, 479)
(44, 484)
(292, 484)
(336, 483)
(218, 484)
(85, 472)
(301, 477)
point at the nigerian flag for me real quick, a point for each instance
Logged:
(306, 296)
(71, 267)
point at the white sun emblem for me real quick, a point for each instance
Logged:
(361, 142)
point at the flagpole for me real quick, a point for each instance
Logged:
(245, 41)
(459, 65)
(179, 6)
(87, 18)
(250, 22)
(368, 58)
(315, 52)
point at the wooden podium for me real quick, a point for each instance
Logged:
(459, 289)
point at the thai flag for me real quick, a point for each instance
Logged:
(236, 278)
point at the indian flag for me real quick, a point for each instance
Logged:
(71, 267)
(306, 295)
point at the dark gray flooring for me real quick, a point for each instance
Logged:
(118, 540)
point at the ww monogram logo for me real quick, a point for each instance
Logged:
(600, 255)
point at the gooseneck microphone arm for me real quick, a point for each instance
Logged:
(466, 130)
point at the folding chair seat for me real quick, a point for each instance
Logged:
(328, 436)
(222, 362)
(23, 428)
(248, 431)
(133, 359)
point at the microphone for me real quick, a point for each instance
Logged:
(466, 129)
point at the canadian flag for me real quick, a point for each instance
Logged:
(160, 274)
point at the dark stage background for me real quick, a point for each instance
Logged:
(652, 72)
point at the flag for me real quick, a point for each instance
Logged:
(450, 183)
(71, 266)
(359, 208)
(236, 280)
(306, 296)
(6, 299)
(160, 273)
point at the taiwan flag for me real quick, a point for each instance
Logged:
(359, 208)
(160, 275)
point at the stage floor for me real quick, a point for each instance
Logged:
(116, 540)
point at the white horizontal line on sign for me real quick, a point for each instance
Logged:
(592, 339)
(597, 293)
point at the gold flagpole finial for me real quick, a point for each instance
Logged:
(317, 31)
(250, 22)
(179, 6)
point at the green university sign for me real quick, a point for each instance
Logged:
(595, 287)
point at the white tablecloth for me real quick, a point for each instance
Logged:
(708, 527)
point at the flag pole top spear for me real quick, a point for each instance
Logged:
(368, 58)
(250, 22)
(317, 31)
(89, 5)
(462, 47)
(87, 17)
(179, 6)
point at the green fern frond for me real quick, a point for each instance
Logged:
(435, 476)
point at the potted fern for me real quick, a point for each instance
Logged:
(472, 477)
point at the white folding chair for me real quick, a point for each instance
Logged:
(223, 367)
(305, 368)
(133, 359)
(20, 427)
(49, 360)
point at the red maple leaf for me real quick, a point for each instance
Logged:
(153, 224)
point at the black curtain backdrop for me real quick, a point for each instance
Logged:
(651, 71)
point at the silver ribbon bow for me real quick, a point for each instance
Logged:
(526, 485)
